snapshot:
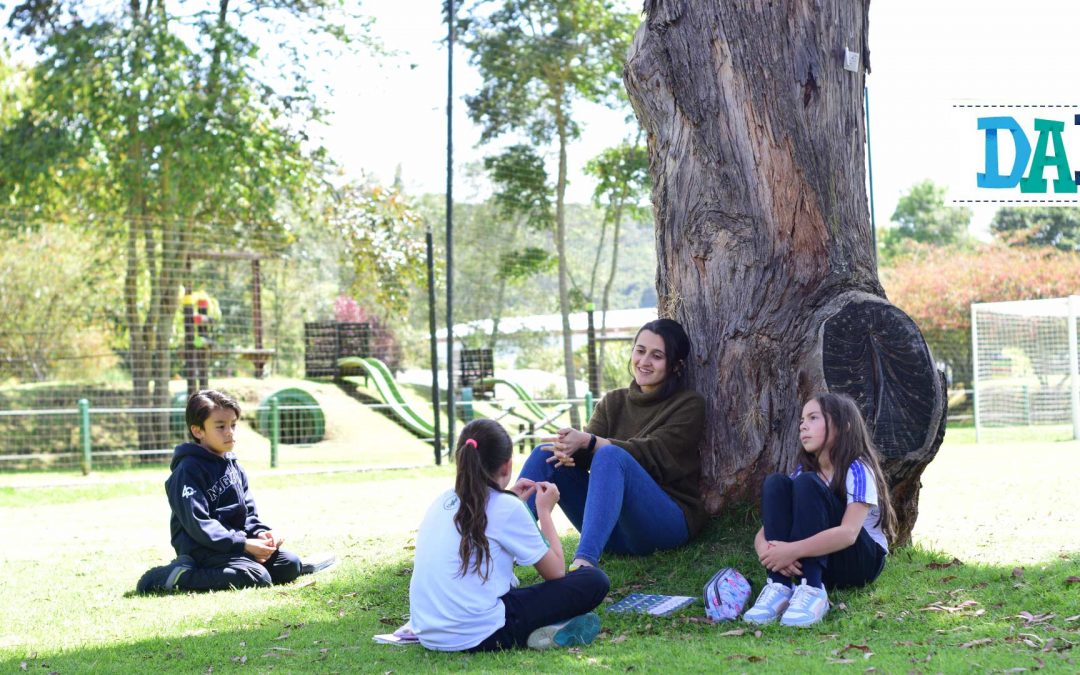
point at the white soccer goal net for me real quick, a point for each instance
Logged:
(1025, 362)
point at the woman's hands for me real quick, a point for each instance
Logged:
(565, 443)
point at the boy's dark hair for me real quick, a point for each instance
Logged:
(202, 404)
(847, 438)
(482, 448)
(676, 348)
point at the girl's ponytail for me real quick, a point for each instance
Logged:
(483, 447)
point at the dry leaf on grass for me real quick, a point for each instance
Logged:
(734, 633)
(953, 630)
(239, 659)
(837, 661)
(1018, 571)
(940, 566)
(620, 638)
(947, 578)
(1030, 619)
(1072, 580)
(938, 607)
(976, 643)
(865, 649)
(283, 636)
(1072, 618)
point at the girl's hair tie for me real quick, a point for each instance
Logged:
(470, 441)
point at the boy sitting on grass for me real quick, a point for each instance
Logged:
(219, 540)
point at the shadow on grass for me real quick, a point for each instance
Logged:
(927, 613)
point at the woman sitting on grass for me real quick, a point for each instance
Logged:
(829, 522)
(629, 480)
(463, 593)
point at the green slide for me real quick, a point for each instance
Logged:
(384, 383)
(532, 406)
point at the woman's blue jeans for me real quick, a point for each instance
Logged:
(616, 505)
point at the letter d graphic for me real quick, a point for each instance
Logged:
(992, 178)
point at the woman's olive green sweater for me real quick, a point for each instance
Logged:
(662, 434)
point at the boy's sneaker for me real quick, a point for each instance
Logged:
(164, 578)
(581, 630)
(770, 603)
(808, 606)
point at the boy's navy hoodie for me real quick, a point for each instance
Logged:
(212, 507)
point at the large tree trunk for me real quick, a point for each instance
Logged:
(755, 133)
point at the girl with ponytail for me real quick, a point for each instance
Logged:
(463, 594)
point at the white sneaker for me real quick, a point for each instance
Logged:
(808, 606)
(770, 603)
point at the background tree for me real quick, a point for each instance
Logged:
(161, 125)
(622, 175)
(755, 135)
(1057, 226)
(537, 57)
(384, 244)
(523, 201)
(54, 288)
(922, 216)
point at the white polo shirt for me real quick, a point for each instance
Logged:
(453, 612)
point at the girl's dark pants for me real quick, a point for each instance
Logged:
(220, 571)
(543, 604)
(795, 509)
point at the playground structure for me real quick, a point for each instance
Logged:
(198, 346)
(257, 312)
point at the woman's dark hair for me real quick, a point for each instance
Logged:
(483, 447)
(676, 349)
(202, 405)
(847, 439)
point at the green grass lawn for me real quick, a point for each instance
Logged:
(1008, 512)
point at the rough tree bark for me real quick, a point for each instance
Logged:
(766, 256)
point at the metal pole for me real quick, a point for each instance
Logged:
(594, 366)
(975, 371)
(1074, 370)
(452, 418)
(870, 171)
(275, 431)
(434, 345)
(84, 434)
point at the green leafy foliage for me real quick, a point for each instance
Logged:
(522, 189)
(53, 288)
(537, 56)
(921, 216)
(1038, 226)
(383, 235)
(520, 265)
